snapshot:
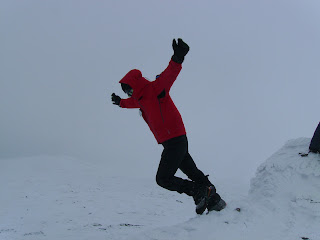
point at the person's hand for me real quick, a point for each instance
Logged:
(180, 50)
(115, 99)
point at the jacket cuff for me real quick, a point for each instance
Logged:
(120, 104)
(177, 59)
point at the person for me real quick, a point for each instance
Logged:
(314, 146)
(165, 122)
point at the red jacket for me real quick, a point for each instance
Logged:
(153, 99)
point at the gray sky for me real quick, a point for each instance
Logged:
(249, 83)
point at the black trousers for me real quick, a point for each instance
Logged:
(175, 156)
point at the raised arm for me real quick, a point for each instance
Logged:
(170, 74)
(167, 77)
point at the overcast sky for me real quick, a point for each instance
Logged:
(249, 83)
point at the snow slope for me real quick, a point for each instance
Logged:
(63, 198)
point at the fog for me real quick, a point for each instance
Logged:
(249, 83)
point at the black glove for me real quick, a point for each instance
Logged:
(180, 50)
(115, 99)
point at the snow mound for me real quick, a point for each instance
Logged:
(289, 186)
(287, 176)
(283, 203)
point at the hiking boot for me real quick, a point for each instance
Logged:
(215, 202)
(202, 197)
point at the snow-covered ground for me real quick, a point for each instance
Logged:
(64, 198)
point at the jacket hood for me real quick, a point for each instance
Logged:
(135, 80)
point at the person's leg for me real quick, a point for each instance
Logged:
(213, 200)
(189, 168)
(173, 154)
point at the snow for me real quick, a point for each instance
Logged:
(59, 197)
